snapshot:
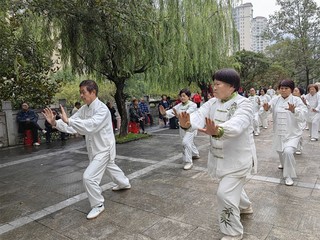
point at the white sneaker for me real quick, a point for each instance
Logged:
(280, 166)
(256, 134)
(298, 152)
(228, 237)
(288, 181)
(36, 144)
(188, 166)
(117, 187)
(265, 127)
(44, 131)
(248, 210)
(313, 139)
(95, 212)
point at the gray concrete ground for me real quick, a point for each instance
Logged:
(42, 196)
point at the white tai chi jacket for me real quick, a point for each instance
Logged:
(235, 152)
(287, 131)
(93, 121)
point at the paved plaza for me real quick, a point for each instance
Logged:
(42, 196)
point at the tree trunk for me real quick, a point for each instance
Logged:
(120, 99)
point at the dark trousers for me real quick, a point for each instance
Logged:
(50, 130)
(34, 127)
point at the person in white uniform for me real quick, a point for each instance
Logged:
(271, 92)
(94, 121)
(255, 100)
(190, 150)
(299, 92)
(263, 115)
(288, 114)
(228, 120)
(313, 117)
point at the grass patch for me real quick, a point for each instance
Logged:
(131, 137)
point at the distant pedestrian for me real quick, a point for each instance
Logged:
(94, 121)
(165, 103)
(113, 115)
(197, 99)
(77, 105)
(313, 116)
(227, 119)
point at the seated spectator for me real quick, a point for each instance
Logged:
(50, 129)
(77, 105)
(145, 110)
(136, 115)
(28, 120)
(165, 103)
(113, 115)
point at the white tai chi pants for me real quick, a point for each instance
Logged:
(256, 127)
(231, 197)
(314, 127)
(93, 174)
(189, 148)
(288, 162)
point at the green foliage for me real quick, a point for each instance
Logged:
(25, 60)
(131, 137)
(252, 67)
(296, 28)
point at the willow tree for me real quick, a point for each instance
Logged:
(196, 38)
(298, 23)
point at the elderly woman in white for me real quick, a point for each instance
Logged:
(288, 114)
(313, 105)
(263, 115)
(190, 150)
(228, 119)
(255, 100)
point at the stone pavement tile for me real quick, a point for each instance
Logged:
(169, 229)
(310, 223)
(129, 167)
(129, 217)
(66, 218)
(134, 198)
(254, 229)
(280, 233)
(205, 234)
(123, 234)
(33, 231)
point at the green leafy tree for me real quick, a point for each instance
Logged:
(297, 26)
(25, 59)
(252, 67)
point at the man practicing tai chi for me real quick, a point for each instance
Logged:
(93, 120)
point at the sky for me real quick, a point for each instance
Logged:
(265, 8)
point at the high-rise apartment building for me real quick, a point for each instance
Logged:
(242, 16)
(259, 25)
(250, 29)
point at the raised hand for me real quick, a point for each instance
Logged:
(266, 106)
(291, 107)
(211, 128)
(184, 120)
(162, 110)
(64, 116)
(50, 117)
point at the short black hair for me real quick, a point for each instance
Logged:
(90, 85)
(228, 75)
(185, 91)
(77, 104)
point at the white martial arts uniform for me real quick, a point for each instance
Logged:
(231, 157)
(189, 148)
(94, 121)
(313, 118)
(255, 100)
(263, 115)
(287, 130)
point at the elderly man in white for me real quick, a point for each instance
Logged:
(288, 113)
(93, 120)
(227, 118)
(190, 150)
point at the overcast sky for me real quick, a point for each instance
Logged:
(265, 7)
